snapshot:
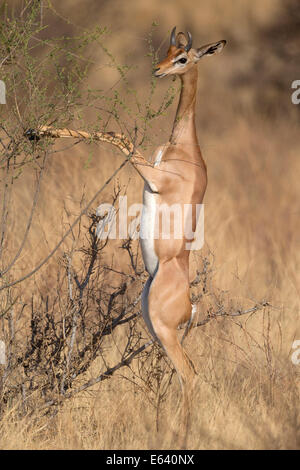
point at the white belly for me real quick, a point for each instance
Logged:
(147, 230)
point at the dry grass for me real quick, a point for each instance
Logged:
(245, 397)
(247, 390)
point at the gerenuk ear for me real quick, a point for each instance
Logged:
(210, 49)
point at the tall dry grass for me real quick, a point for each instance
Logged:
(247, 391)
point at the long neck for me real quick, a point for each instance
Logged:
(184, 129)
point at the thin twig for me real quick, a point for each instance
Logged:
(84, 211)
(33, 207)
(106, 375)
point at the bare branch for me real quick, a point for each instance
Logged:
(106, 375)
(238, 313)
(84, 211)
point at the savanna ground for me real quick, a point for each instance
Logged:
(247, 390)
